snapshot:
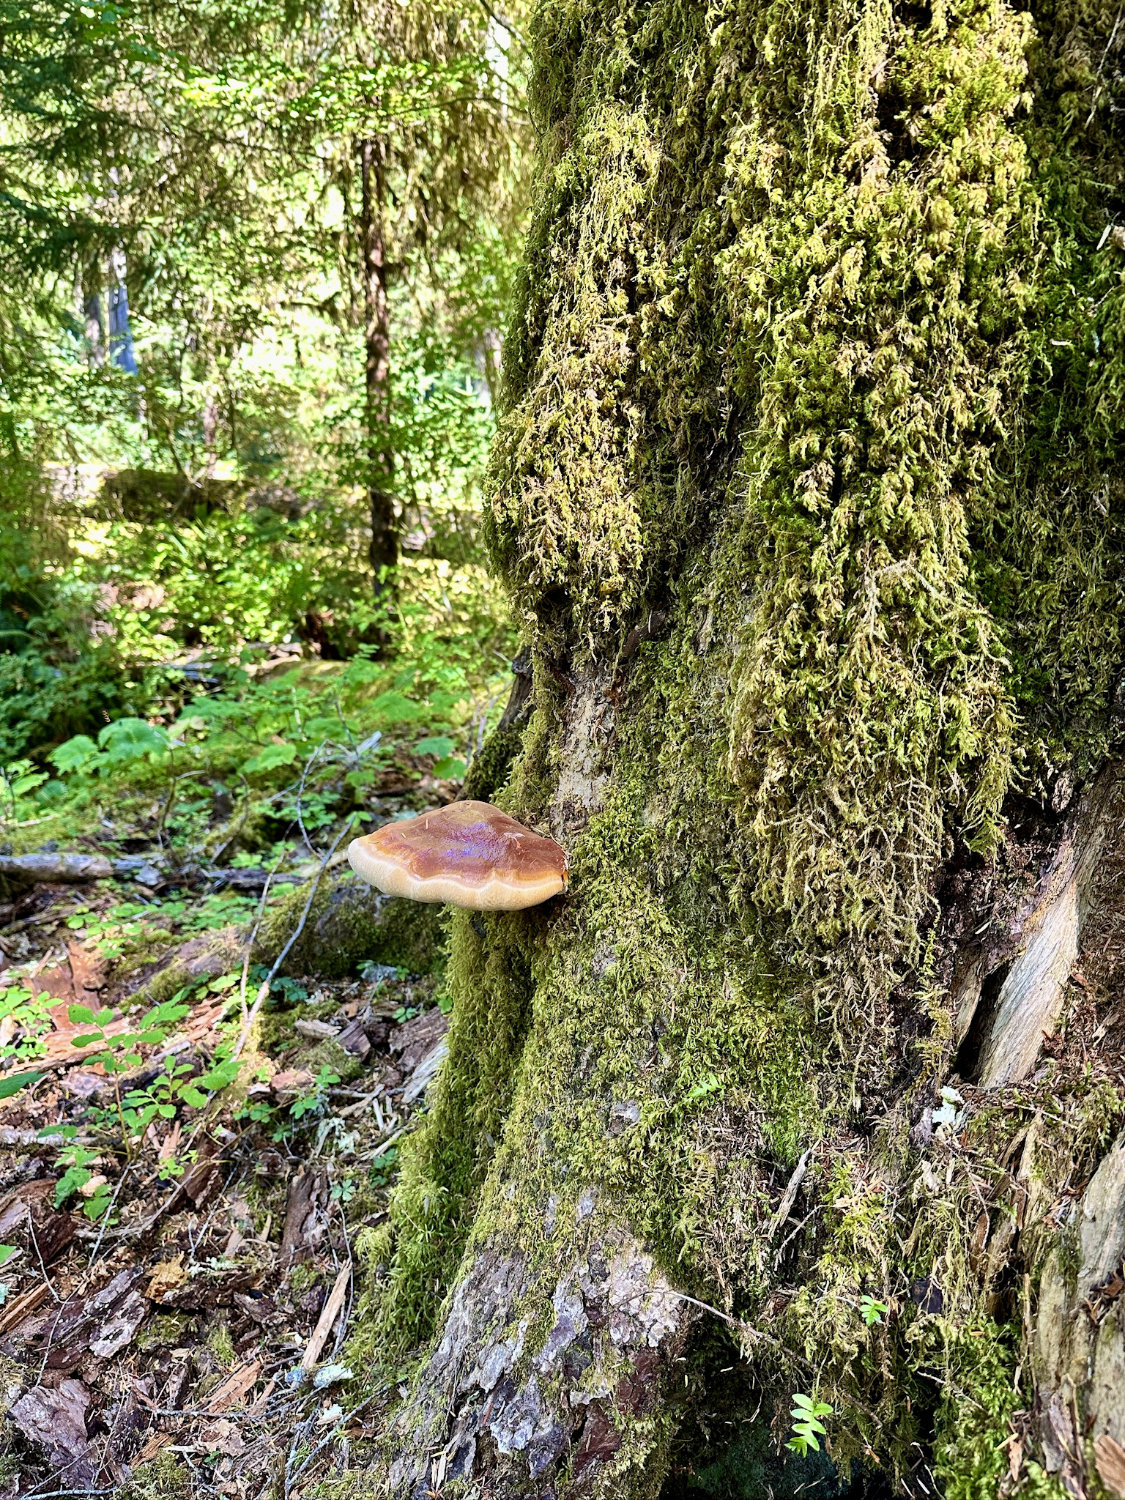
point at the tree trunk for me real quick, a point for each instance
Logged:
(377, 341)
(809, 490)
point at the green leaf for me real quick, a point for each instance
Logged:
(87, 1039)
(438, 744)
(16, 1081)
(395, 708)
(74, 755)
(20, 788)
(71, 1180)
(82, 1015)
(130, 739)
(272, 756)
(6, 1253)
(451, 768)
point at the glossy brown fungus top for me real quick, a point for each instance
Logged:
(467, 854)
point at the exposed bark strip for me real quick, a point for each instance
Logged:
(526, 1402)
(1036, 950)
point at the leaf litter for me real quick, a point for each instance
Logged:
(188, 1299)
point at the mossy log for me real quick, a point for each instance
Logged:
(348, 923)
(809, 490)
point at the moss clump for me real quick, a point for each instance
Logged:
(444, 1163)
(164, 1477)
(980, 1370)
(163, 1331)
(348, 923)
(489, 770)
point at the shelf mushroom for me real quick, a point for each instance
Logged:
(468, 854)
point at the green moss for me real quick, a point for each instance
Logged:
(489, 770)
(444, 1162)
(220, 1344)
(164, 1477)
(348, 923)
(980, 1394)
(163, 1331)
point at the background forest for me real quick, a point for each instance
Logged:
(201, 263)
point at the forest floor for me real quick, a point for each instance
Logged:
(181, 1192)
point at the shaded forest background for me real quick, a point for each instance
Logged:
(255, 265)
(189, 211)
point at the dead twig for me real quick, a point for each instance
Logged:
(264, 987)
(327, 1318)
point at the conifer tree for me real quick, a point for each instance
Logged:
(807, 1095)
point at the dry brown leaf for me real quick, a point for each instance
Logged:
(1109, 1456)
(222, 1436)
(1015, 1455)
(165, 1278)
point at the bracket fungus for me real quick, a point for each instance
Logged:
(468, 854)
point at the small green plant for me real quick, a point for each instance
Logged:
(18, 781)
(871, 1310)
(807, 1426)
(31, 1015)
(177, 1085)
(383, 1167)
(16, 1081)
(79, 1164)
(315, 1099)
(120, 1052)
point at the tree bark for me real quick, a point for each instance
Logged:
(811, 1084)
(383, 550)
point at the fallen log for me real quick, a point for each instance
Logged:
(72, 869)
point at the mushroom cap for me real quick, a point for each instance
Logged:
(468, 854)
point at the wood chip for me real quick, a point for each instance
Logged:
(55, 1422)
(233, 1388)
(307, 1212)
(1109, 1456)
(318, 1031)
(327, 1318)
(23, 1306)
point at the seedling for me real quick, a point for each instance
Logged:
(79, 1164)
(807, 1426)
(316, 1097)
(871, 1310)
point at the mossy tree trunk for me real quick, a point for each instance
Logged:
(809, 490)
